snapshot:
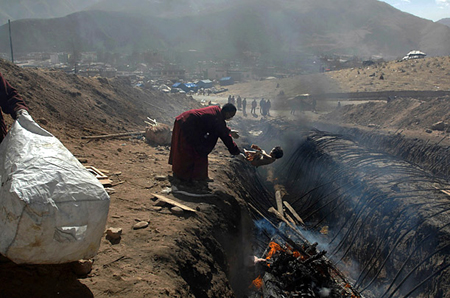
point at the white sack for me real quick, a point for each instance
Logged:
(52, 209)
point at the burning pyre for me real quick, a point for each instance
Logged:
(298, 272)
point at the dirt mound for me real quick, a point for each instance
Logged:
(70, 105)
(409, 116)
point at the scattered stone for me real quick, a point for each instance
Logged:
(82, 267)
(140, 225)
(161, 178)
(156, 208)
(42, 121)
(114, 233)
(438, 126)
(160, 203)
(166, 190)
(428, 131)
(177, 211)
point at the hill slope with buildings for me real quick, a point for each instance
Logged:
(279, 31)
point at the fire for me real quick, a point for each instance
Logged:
(274, 247)
(296, 253)
(257, 283)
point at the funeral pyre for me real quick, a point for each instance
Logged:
(289, 269)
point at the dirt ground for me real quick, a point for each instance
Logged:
(180, 254)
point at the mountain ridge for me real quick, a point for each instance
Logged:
(272, 29)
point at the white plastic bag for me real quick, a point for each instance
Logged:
(52, 209)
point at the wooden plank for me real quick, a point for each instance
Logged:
(278, 198)
(442, 190)
(282, 218)
(115, 135)
(291, 220)
(98, 174)
(294, 213)
(172, 202)
(105, 182)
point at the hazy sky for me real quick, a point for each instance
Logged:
(427, 9)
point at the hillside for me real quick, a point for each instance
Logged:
(31, 9)
(445, 21)
(280, 31)
(429, 74)
(69, 105)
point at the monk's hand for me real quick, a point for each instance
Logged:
(234, 134)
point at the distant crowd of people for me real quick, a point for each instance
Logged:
(241, 104)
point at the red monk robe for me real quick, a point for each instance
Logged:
(194, 136)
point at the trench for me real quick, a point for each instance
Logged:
(378, 205)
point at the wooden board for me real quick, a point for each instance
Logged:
(278, 198)
(294, 213)
(172, 202)
(98, 174)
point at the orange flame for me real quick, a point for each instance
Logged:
(257, 283)
(274, 247)
(296, 253)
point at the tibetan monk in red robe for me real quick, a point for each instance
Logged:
(194, 136)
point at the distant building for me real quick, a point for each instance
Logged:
(226, 81)
(216, 73)
(178, 86)
(236, 75)
(191, 87)
(167, 73)
(414, 55)
(186, 87)
(204, 84)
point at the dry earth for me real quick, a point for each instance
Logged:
(192, 254)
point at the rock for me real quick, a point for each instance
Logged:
(428, 131)
(160, 203)
(140, 225)
(42, 121)
(114, 233)
(82, 267)
(177, 211)
(438, 126)
(166, 190)
(161, 178)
